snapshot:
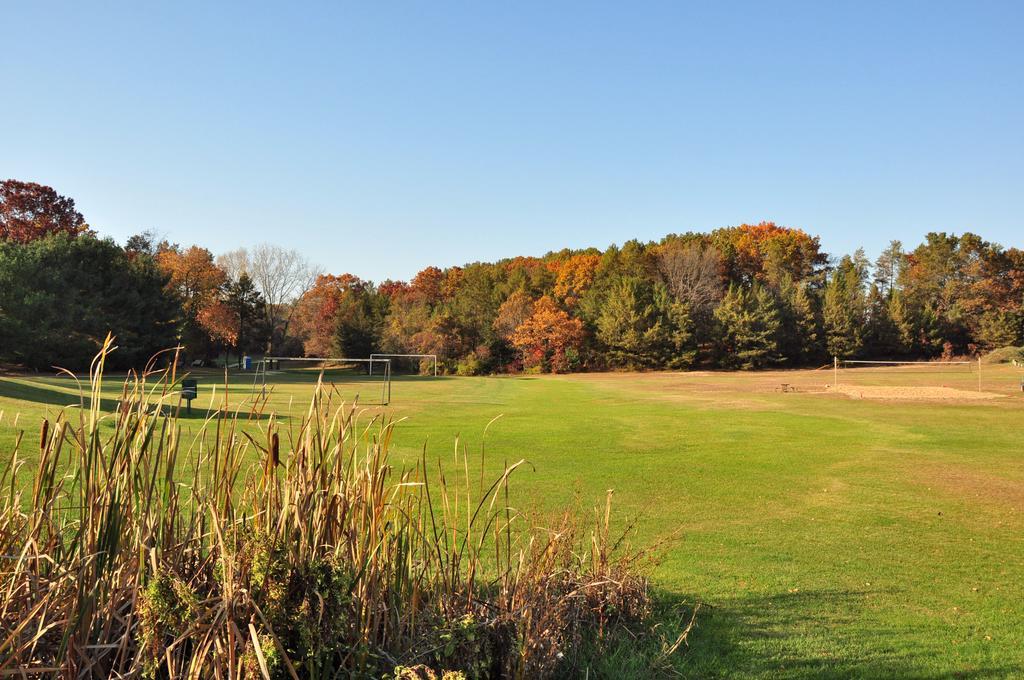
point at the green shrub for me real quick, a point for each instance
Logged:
(1004, 355)
(469, 365)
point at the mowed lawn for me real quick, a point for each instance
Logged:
(826, 536)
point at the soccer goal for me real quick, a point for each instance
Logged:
(963, 374)
(350, 376)
(399, 358)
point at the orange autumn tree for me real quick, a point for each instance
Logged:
(767, 252)
(196, 280)
(194, 276)
(574, 275)
(453, 277)
(549, 339)
(221, 322)
(516, 309)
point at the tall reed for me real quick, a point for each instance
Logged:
(260, 548)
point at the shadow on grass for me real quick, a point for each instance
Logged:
(772, 637)
(50, 396)
(46, 395)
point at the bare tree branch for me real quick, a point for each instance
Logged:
(281, 275)
(235, 263)
(692, 273)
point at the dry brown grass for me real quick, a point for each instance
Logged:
(961, 481)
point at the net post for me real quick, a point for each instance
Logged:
(835, 372)
(979, 373)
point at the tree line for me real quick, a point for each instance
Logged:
(747, 296)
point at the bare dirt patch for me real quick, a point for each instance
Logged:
(913, 393)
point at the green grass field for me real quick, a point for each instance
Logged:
(827, 535)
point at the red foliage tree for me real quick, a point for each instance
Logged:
(426, 285)
(29, 211)
(393, 289)
(316, 314)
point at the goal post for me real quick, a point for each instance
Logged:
(333, 370)
(912, 368)
(393, 355)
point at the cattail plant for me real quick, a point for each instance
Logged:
(259, 548)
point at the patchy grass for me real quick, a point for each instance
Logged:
(828, 536)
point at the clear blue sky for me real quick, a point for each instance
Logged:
(381, 137)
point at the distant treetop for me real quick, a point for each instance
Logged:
(29, 211)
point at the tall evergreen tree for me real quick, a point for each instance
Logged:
(881, 336)
(843, 310)
(801, 328)
(245, 302)
(807, 324)
(1000, 329)
(888, 267)
(359, 321)
(750, 327)
(903, 324)
(678, 344)
(641, 327)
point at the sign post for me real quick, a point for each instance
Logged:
(189, 391)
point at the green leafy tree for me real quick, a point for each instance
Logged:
(945, 286)
(473, 300)
(61, 295)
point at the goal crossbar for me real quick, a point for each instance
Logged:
(394, 355)
(385, 395)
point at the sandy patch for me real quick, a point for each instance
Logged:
(912, 393)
